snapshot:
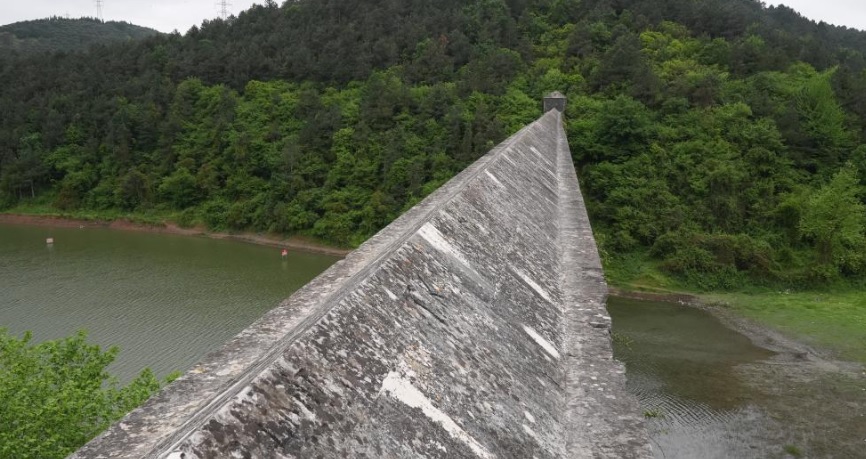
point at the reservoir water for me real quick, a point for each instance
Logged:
(165, 300)
(708, 391)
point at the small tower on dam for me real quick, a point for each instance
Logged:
(554, 100)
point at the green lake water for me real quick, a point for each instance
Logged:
(708, 392)
(165, 300)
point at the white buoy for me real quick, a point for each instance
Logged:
(49, 241)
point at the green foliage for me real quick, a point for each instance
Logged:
(834, 219)
(178, 189)
(714, 262)
(707, 133)
(56, 395)
(133, 191)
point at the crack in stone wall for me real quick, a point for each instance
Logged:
(473, 326)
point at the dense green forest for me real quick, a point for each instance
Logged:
(721, 140)
(62, 34)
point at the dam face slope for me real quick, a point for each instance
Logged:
(473, 326)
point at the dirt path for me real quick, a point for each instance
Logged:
(294, 243)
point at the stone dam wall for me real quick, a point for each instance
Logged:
(473, 326)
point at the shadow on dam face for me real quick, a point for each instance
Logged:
(472, 326)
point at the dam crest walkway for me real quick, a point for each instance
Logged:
(472, 326)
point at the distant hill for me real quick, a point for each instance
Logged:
(61, 34)
(722, 140)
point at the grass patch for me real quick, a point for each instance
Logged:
(832, 319)
(622, 340)
(639, 272)
(793, 451)
(652, 413)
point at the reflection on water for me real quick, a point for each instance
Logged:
(164, 300)
(708, 392)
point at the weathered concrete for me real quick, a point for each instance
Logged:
(473, 326)
(553, 101)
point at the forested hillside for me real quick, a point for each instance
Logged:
(61, 34)
(719, 139)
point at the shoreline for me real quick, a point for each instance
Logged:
(685, 299)
(791, 349)
(782, 396)
(292, 243)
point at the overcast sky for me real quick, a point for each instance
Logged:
(168, 15)
(851, 13)
(162, 15)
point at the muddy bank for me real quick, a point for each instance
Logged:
(716, 385)
(676, 298)
(294, 243)
(788, 348)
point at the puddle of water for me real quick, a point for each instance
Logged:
(708, 392)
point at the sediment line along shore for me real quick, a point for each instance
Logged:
(294, 243)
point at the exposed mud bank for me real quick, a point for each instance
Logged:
(294, 243)
(788, 347)
(707, 393)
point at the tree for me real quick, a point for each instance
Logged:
(835, 219)
(823, 120)
(133, 190)
(179, 188)
(624, 66)
(56, 395)
(620, 129)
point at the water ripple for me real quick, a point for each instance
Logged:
(164, 300)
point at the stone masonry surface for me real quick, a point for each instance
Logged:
(473, 326)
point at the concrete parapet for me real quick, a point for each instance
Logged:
(472, 326)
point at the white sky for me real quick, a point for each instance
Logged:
(168, 15)
(851, 13)
(162, 15)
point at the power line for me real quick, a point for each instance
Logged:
(99, 4)
(223, 6)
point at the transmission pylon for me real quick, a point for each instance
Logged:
(223, 6)
(99, 4)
